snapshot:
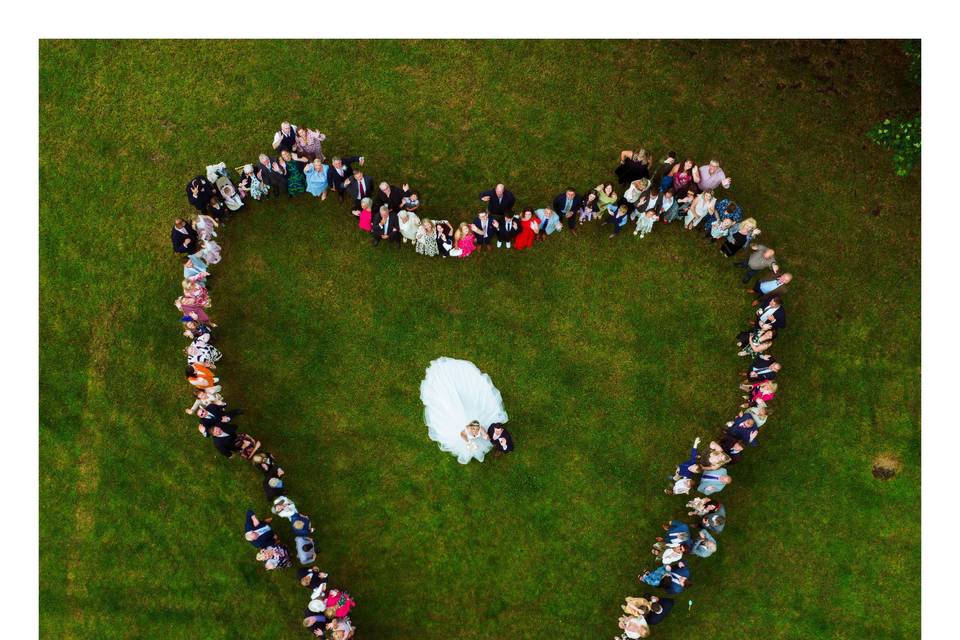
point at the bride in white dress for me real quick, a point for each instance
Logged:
(456, 394)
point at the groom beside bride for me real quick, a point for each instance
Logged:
(497, 436)
(463, 410)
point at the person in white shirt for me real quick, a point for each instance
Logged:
(286, 138)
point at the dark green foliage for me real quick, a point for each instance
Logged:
(902, 135)
(903, 138)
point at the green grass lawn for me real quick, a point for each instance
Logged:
(619, 353)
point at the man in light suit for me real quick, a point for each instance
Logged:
(483, 230)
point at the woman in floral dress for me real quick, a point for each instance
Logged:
(308, 144)
(427, 239)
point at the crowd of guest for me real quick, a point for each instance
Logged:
(215, 198)
(647, 195)
(706, 472)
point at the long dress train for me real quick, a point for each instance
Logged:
(454, 393)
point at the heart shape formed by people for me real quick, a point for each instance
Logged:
(588, 354)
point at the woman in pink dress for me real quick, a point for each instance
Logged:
(464, 239)
(365, 215)
(189, 307)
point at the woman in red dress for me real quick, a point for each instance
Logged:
(529, 226)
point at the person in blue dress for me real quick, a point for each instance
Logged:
(316, 174)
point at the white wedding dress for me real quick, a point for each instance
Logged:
(455, 393)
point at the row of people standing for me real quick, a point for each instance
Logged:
(706, 471)
(194, 241)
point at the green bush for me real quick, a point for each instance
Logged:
(903, 137)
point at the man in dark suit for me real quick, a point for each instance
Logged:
(566, 205)
(499, 200)
(183, 237)
(199, 192)
(259, 534)
(340, 171)
(215, 415)
(483, 230)
(224, 438)
(358, 187)
(507, 229)
(387, 227)
(392, 196)
(772, 315)
(659, 609)
(267, 174)
(762, 370)
(500, 438)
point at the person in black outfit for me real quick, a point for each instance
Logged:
(773, 315)
(199, 192)
(339, 171)
(215, 415)
(761, 370)
(183, 237)
(269, 172)
(259, 534)
(286, 138)
(499, 200)
(444, 237)
(387, 227)
(267, 464)
(359, 187)
(659, 609)
(633, 166)
(500, 437)
(664, 171)
(392, 196)
(225, 439)
(507, 229)
(312, 578)
(315, 623)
